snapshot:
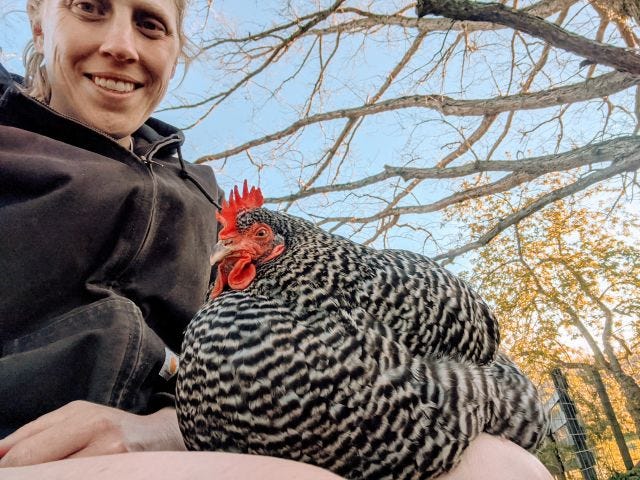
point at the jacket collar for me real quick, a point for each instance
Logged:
(19, 110)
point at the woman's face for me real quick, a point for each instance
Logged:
(108, 62)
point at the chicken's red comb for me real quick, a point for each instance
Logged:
(250, 199)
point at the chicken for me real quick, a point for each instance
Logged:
(371, 364)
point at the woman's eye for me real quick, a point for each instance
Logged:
(151, 27)
(87, 8)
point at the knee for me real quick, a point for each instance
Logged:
(489, 457)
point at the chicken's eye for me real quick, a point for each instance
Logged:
(261, 232)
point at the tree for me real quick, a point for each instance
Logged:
(519, 91)
(559, 275)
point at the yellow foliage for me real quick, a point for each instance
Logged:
(565, 284)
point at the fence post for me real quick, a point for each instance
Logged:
(576, 432)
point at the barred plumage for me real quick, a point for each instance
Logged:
(372, 364)
(428, 309)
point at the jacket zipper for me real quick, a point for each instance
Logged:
(147, 159)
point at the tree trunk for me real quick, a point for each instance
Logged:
(629, 386)
(631, 392)
(611, 416)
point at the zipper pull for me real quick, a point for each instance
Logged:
(146, 160)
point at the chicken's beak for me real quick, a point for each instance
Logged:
(220, 250)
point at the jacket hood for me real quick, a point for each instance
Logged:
(8, 79)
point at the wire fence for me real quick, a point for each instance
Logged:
(572, 452)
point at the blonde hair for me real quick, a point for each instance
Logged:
(36, 82)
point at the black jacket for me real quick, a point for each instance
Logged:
(104, 258)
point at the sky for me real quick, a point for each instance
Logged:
(239, 119)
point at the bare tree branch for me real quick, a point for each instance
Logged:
(593, 88)
(527, 169)
(286, 43)
(335, 94)
(610, 151)
(629, 164)
(371, 20)
(352, 123)
(616, 57)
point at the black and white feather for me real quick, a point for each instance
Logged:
(372, 364)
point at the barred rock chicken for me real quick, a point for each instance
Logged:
(371, 364)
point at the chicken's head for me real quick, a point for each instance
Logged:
(243, 243)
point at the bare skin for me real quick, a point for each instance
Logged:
(171, 466)
(487, 457)
(494, 458)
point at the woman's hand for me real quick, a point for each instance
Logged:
(83, 429)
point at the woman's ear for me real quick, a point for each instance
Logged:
(38, 41)
(35, 19)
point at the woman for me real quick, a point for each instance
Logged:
(104, 256)
(106, 232)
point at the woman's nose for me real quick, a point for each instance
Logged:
(120, 40)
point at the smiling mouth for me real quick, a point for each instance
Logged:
(120, 86)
